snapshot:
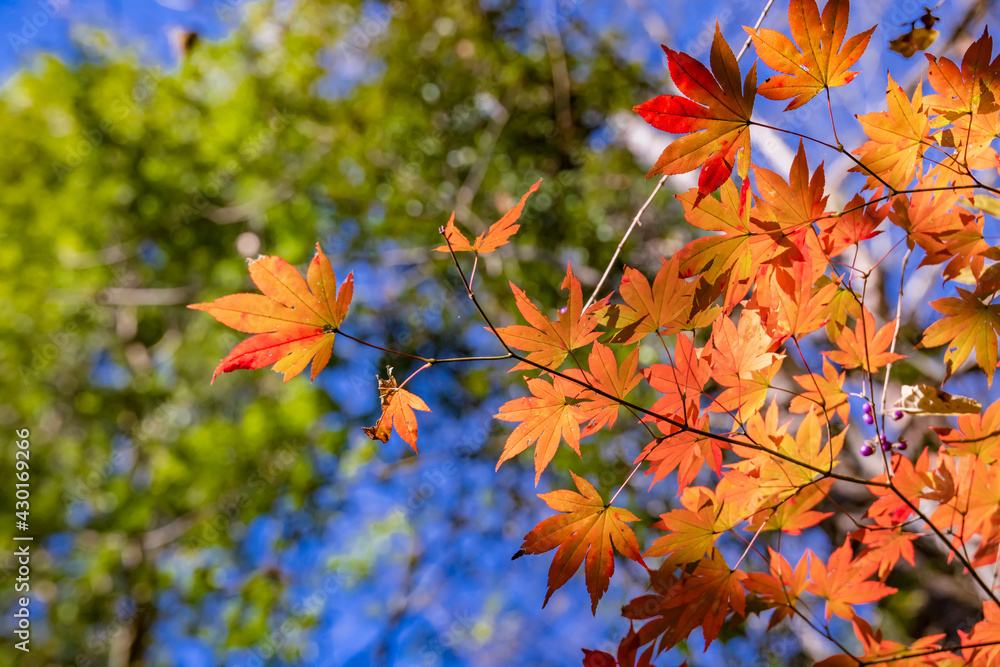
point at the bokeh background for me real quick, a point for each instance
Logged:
(148, 148)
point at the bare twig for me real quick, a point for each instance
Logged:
(628, 232)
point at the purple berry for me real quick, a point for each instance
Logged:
(897, 415)
(901, 445)
(867, 409)
(868, 419)
(886, 445)
(867, 449)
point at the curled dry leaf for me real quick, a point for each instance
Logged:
(925, 400)
(397, 412)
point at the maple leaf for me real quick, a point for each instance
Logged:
(709, 594)
(604, 373)
(715, 117)
(845, 302)
(898, 138)
(737, 249)
(745, 396)
(973, 508)
(859, 223)
(397, 412)
(680, 383)
(968, 323)
(768, 476)
(690, 535)
(294, 319)
(663, 307)
(586, 529)
(795, 514)
(818, 59)
(693, 530)
(976, 435)
(548, 342)
(739, 349)
(910, 480)
(546, 418)
(885, 547)
(824, 391)
(879, 651)
(682, 450)
(796, 202)
(733, 258)
(782, 587)
(865, 347)
(841, 582)
(497, 235)
(968, 100)
(788, 303)
(987, 631)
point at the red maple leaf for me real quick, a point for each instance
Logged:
(715, 117)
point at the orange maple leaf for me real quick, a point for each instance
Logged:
(587, 529)
(863, 346)
(546, 418)
(663, 307)
(690, 535)
(976, 435)
(886, 547)
(973, 509)
(968, 323)
(681, 382)
(397, 412)
(295, 320)
(739, 349)
(549, 341)
(858, 224)
(968, 100)
(605, 374)
(987, 631)
(681, 449)
(797, 513)
(737, 254)
(497, 235)
(841, 582)
(825, 392)
(817, 60)
(898, 138)
(709, 594)
(797, 202)
(787, 301)
(715, 117)
(782, 587)
(879, 651)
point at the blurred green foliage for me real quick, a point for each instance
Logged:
(130, 190)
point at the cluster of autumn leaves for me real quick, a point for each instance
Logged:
(725, 312)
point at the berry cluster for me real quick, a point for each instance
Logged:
(882, 442)
(869, 418)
